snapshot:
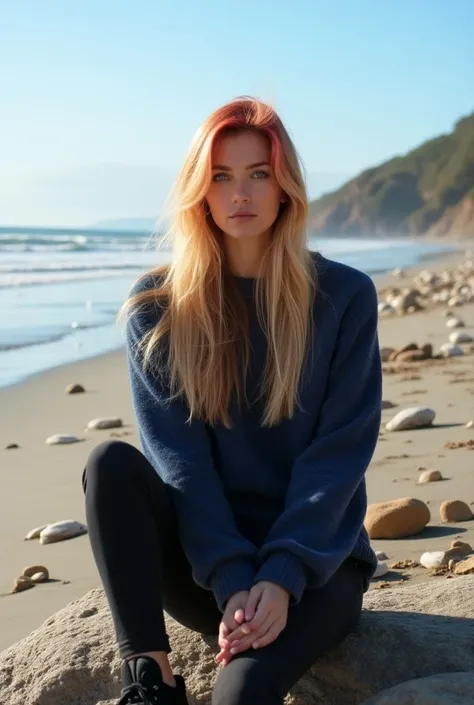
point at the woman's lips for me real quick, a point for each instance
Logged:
(243, 216)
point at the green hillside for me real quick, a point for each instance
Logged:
(430, 190)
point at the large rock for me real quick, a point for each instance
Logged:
(397, 518)
(443, 689)
(72, 659)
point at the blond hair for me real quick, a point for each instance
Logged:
(205, 319)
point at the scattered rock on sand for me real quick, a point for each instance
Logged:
(62, 530)
(12, 446)
(35, 533)
(429, 476)
(75, 389)
(104, 423)
(406, 301)
(381, 555)
(382, 569)
(61, 439)
(453, 445)
(22, 583)
(442, 689)
(37, 573)
(385, 309)
(411, 418)
(451, 350)
(455, 510)
(470, 424)
(397, 518)
(434, 559)
(406, 621)
(454, 322)
(385, 353)
(464, 567)
(388, 405)
(460, 337)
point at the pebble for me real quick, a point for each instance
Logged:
(385, 353)
(37, 573)
(434, 559)
(61, 439)
(62, 530)
(455, 510)
(12, 446)
(411, 418)
(450, 350)
(104, 422)
(381, 555)
(470, 424)
(35, 533)
(429, 476)
(75, 389)
(382, 569)
(459, 337)
(385, 308)
(388, 404)
(463, 567)
(22, 583)
(398, 518)
(454, 322)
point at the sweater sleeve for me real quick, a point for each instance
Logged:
(325, 504)
(222, 560)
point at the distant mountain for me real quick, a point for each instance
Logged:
(429, 191)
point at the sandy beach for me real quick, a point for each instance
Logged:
(40, 484)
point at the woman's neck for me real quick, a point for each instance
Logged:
(244, 256)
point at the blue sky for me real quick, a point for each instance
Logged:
(99, 99)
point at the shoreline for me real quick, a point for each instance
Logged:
(435, 261)
(40, 484)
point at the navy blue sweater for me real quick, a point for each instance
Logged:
(287, 503)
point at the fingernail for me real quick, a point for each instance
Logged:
(256, 645)
(233, 651)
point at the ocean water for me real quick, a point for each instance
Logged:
(60, 291)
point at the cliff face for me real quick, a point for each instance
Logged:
(428, 191)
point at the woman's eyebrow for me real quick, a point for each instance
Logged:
(223, 167)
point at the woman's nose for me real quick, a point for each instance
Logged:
(241, 195)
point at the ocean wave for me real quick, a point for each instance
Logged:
(43, 337)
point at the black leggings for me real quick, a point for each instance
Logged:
(134, 539)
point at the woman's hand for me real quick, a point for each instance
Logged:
(266, 614)
(233, 617)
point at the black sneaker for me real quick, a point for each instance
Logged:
(143, 684)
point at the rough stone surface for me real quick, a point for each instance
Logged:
(442, 689)
(72, 658)
(397, 518)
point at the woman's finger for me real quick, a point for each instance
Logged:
(247, 641)
(252, 602)
(239, 633)
(276, 628)
(263, 610)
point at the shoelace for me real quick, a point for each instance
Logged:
(133, 691)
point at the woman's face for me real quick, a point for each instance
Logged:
(244, 197)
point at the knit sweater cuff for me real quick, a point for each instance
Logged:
(230, 577)
(286, 570)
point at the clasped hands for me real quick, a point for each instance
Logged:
(252, 619)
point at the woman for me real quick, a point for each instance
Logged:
(256, 382)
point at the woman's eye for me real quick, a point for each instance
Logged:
(219, 177)
(260, 174)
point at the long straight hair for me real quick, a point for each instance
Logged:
(204, 321)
